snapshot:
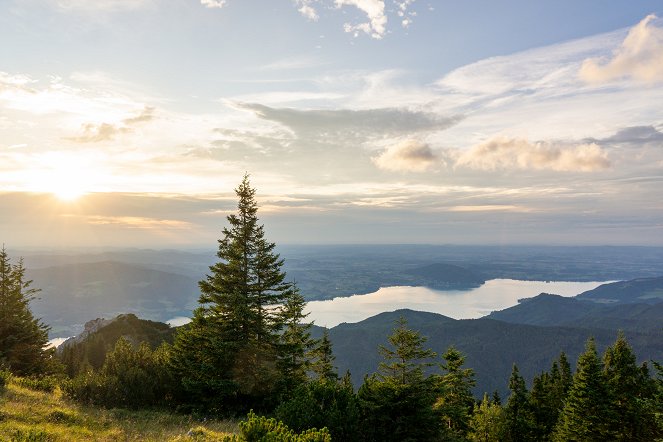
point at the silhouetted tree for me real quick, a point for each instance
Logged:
(23, 338)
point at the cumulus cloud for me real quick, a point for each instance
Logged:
(213, 3)
(366, 121)
(376, 26)
(306, 9)
(406, 156)
(514, 153)
(639, 57)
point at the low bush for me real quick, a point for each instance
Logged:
(43, 383)
(261, 429)
(5, 377)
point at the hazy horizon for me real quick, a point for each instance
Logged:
(128, 123)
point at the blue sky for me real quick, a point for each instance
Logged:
(129, 122)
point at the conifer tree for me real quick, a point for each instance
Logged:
(455, 402)
(630, 388)
(23, 337)
(396, 403)
(587, 414)
(518, 417)
(295, 342)
(229, 351)
(323, 359)
(487, 422)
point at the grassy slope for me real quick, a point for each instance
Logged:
(27, 415)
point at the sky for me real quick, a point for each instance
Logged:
(128, 123)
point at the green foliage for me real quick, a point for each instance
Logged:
(396, 404)
(323, 359)
(90, 353)
(23, 338)
(130, 377)
(31, 435)
(5, 377)
(587, 414)
(323, 403)
(228, 358)
(295, 342)
(455, 402)
(487, 422)
(41, 383)
(546, 400)
(261, 429)
(518, 418)
(630, 387)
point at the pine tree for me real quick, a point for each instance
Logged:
(23, 338)
(487, 422)
(405, 363)
(630, 386)
(455, 402)
(397, 402)
(519, 420)
(295, 342)
(229, 351)
(587, 413)
(323, 359)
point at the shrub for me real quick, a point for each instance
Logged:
(261, 429)
(5, 377)
(44, 383)
(30, 435)
(323, 403)
(129, 378)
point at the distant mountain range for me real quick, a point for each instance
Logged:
(531, 334)
(76, 292)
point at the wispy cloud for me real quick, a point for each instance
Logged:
(364, 121)
(136, 222)
(96, 132)
(406, 156)
(514, 153)
(640, 57)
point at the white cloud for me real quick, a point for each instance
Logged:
(514, 153)
(376, 26)
(213, 3)
(406, 156)
(307, 10)
(640, 57)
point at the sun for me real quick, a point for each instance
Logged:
(65, 175)
(68, 193)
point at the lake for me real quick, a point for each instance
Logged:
(496, 294)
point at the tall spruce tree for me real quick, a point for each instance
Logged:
(323, 357)
(519, 421)
(295, 342)
(23, 338)
(228, 354)
(587, 413)
(396, 404)
(631, 387)
(455, 403)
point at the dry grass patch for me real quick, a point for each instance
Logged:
(37, 416)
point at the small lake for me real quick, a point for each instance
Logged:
(496, 294)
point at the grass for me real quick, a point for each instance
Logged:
(28, 415)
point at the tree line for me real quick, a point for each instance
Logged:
(249, 347)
